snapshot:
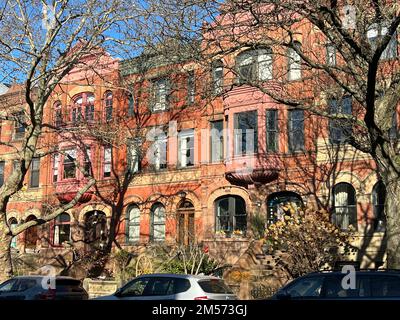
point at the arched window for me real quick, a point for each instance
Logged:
(185, 223)
(231, 216)
(157, 223)
(12, 224)
(108, 105)
(378, 202)
(133, 223)
(57, 114)
(95, 230)
(253, 65)
(62, 229)
(83, 102)
(282, 203)
(31, 235)
(218, 76)
(344, 206)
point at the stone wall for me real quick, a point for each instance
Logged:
(97, 287)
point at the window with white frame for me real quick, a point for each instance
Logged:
(157, 225)
(344, 206)
(245, 132)
(160, 88)
(107, 162)
(133, 223)
(62, 229)
(218, 76)
(294, 62)
(186, 148)
(159, 160)
(56, 162)
(69, 164)
(217, 140)
(253, 65)
(375, 34)
(133, 160)
(330, 55)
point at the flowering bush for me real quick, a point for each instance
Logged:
(308, 241)
(238, 232)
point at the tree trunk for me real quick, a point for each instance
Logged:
(5, 252)
(392, 210)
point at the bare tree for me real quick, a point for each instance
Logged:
(41, 42)
(321, 50)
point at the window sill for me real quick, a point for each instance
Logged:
(186, 168)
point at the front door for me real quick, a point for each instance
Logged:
(186, 226)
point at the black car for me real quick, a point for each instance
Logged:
(367, 285)
(32, 288)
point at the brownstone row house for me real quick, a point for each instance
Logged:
(205, 159)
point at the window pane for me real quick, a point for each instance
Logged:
(218, 74)
(160, 95)
(158, 222)
(69, 164)
(134, 224)
(296, 130)
(264, 65)
(35, 167)
(272, 130)
(186, 148)
(345, 206)
(131, 105)
(191, 87)
(230, 214)
(161, 287)
(331, 55)
(1, 172)
(246, 133)
(294, 64)
(217, 141)
(385, 286)
(333, 288)
(135, 287)
(308, 287)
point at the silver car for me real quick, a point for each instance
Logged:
(173, 287)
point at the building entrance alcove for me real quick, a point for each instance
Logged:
(95, 230)
(185, 223)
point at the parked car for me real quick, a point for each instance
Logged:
(369, 284)
(173, 287)
(31, 288)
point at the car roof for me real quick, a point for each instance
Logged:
(366, 271)
(181, 276)
(38, 276)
